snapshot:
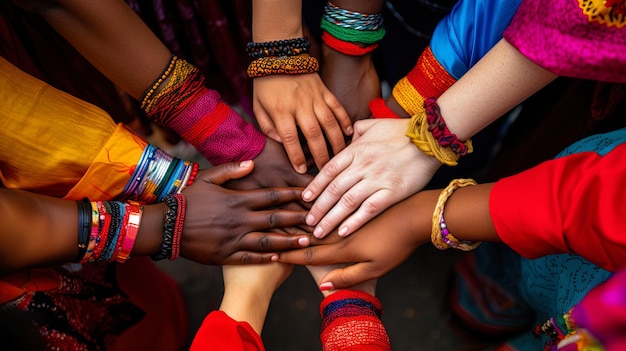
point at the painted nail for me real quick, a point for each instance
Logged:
(327, 286)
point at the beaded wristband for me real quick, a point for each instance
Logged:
(425, 141)
(84, 227)
(169, 224)
(178, 226)
(266, 66)
(157, 83)
(345, 47)
(285, 47)
(441, 236)
(437, 126)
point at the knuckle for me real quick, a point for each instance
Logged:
(370, 207)
(330, 169)
(272, 220)
(348, 201)
(245, 258)
(312, 131)
(289, 137)
(308, 255)
(333, 189)
(264, 243)
(272, 195)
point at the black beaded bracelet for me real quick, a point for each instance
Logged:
(84, 227)
(286, 47)
(168, 229)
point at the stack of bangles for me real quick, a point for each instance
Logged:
(107, 229)
(351, 33)
(288, 56)
(440, 235)
(428, 131)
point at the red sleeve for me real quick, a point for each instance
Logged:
(219, 332)
(570, 204)
(351, 322)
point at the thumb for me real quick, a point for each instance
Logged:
(347, 277)
(227, 171)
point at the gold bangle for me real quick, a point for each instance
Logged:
(266, 66)
(440, 236)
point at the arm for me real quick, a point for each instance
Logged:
(284, 103)
(41, 230)
(352, 78)
(504, 76)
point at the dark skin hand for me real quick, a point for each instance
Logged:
(222, 226)
(353, 79)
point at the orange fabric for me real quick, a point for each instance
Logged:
(427, 79)
(219, 332)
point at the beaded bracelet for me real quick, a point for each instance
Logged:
(157, 83)
(265, 66)
(352, 19)
(425, 141)
(440, 235)
(178, 226)
(84, 227)
(169, 224)
(285, 47)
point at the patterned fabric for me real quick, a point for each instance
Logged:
(561, 37)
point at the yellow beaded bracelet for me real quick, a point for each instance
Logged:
(440, 235)
(266, 66)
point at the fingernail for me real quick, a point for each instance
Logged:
(349, 130)
(301, 169)
(318, 232)
(304, 241)
(244, 164)
(327, 286)
(310, 220)
(274, 258)
(307, 196)
(343, 231)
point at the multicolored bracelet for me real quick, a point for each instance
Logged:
(440, 235)
(424, 140)
(265, 66)
(437, 126)
(346, 47)
(351, 26)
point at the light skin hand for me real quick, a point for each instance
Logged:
(284, 103)
(248, 291)
(379, 168)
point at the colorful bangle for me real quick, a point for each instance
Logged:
(285, 47)
(132, 223)
(351, 19)
(266, 66)
(84, 227)
(345, 47)
(353, 35)
(441, 236)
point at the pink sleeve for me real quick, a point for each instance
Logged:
(569, 204)
(219, 332)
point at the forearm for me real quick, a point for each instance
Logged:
(113, 38)
(501, 80)
(42, 231)
(266, 27)
(246, 304)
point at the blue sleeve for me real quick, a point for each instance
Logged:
(469, 31)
